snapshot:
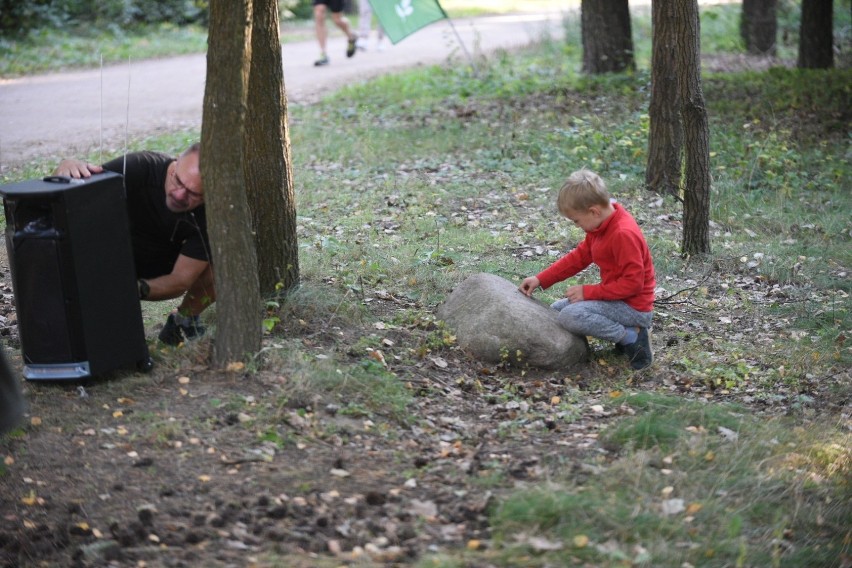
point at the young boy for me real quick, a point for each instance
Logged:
(620, 307)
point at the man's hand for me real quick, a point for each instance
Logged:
(76, 168)
(529, 285)
(575, 294)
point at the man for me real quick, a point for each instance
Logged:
(168, 231)
(336, 7)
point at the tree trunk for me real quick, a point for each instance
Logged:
(268, 169)
(696, 203)
(759, 26)
(665, 136)
(816, 41)
(607, 36)
(238, 306)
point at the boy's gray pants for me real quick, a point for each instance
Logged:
(598, 318)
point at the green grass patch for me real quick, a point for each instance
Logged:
(58, 49)
(768, 494)
(662, 419)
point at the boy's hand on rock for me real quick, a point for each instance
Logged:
(529, 285)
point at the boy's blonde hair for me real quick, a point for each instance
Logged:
(582, 190)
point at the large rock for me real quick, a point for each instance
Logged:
(492, 320)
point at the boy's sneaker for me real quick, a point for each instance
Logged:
(639, 352)
(174, 333)
(350, 47)
(361, 43)
(323, 60)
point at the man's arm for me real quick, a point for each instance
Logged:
(76, 168)
(184, 274)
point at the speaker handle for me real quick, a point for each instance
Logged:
(62, 179)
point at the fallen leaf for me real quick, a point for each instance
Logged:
(183, 380)
(728, 434)
(580, 541)
(235, 367)
(426, 509)
(117, 414)
(30, 499)
(35, 421)
(378, 356)
(334, 547)
(672, 506)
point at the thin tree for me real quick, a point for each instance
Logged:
(816, 42)
(665, 136)
(268, 171)
(759, 26)
(696, 130)
(237, 289)
(607, 36)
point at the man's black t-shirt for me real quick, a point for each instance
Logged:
(158, 234)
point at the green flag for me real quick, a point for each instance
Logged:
(401, 18)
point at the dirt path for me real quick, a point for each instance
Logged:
(76, 112)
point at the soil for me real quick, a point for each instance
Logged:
(190, 466)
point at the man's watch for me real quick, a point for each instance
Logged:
(143, 288)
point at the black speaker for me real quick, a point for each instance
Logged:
(73, 277)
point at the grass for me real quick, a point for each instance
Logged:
(766, 494)
(455, 173)
(55, 50)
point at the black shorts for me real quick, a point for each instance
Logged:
(335, 6)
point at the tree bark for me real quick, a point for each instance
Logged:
(696, 130)
(816, 40)
(268, 163)
(665, 136)
(607, 36)
(238, 308)
(759, 26)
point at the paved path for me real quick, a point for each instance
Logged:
(69, 114)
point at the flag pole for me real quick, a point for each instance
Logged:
(459, 38)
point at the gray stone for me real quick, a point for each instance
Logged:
(494, 321)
